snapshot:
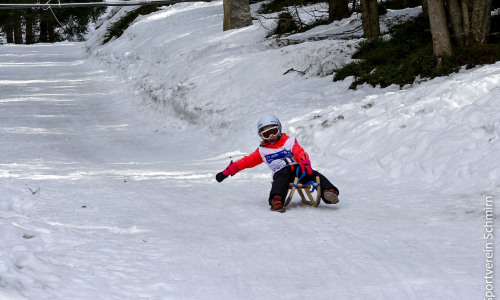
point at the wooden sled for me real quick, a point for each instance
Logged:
(308, 188)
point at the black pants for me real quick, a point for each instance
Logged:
(285, 176)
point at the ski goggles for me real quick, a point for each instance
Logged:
(270, 132)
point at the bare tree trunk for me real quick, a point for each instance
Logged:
(18, 34)
(29, 22)
(30, 38)
(43, 32)
(338, 10)
(9, 32)
(236, 14)
(455, 13)
(369, 17)
(18, 30)
(466, 21)
(425, 8)
(440, 35)
(480, 21)
(51, 32)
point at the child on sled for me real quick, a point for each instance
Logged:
(283, 155)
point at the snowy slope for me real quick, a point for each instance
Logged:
(124, 147)
(180, 61)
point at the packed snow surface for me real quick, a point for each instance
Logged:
(109, 155)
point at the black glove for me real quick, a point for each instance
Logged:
(220, 177)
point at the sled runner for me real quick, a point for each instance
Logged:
(301, 187)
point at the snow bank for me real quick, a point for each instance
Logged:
(20, 268)
(442, 133)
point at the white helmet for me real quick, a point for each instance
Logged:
(268, 120)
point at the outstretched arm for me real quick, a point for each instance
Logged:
(246, 162)
(249, 161)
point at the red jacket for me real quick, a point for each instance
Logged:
(255, 158)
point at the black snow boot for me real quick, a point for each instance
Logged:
(330, 196)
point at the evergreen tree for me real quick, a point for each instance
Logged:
(47, 25)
